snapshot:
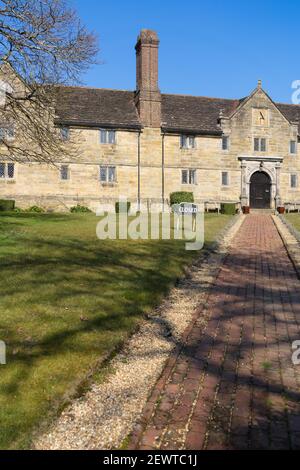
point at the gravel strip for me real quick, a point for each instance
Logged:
(106, 414)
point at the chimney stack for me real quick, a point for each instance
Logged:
(148, 97)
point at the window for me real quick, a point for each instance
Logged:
(187, 141)
(294, 181)
(7, 132)
(65, 133)
(7, 170)
(107, 137)
(188, 177)
(2, 170)
(260, 144)
(293, 146)
(107, 174)
(225, 178)
(225, 142)
(64, 172)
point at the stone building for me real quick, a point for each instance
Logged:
(144, 145)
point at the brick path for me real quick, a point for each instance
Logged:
(232, 384)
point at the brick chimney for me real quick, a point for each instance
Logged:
(148, 97)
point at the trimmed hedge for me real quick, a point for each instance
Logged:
(7, 204)
(122, 207)
(228, 208)
(181, 196)
(35, 209)
(80, 208)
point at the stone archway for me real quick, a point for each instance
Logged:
(270, 167)
(260, 190)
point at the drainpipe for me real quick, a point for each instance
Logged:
(163, 172)
(139, 172)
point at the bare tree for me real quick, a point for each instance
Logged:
(42, 45)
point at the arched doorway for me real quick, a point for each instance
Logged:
(260, 190)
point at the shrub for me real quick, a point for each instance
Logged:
(228, 208)
(181, 196)
(7, 204)
(35, 209)
(122, 207)
(80, 208)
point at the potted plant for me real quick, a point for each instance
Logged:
(280, 209)
(246, 209)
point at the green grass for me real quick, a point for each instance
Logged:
(294, 219)
(68, 300)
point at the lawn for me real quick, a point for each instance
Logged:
(294, 219)
(67, 300)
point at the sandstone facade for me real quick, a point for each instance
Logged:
(145, 157)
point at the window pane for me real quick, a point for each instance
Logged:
(293, 181)
(111, 137)
(225, 143)
(111, 174)
(10, 132)
(293, 146)
(192, 142)
(64, 172)
(184, 141)
(224, 178)
(10, 170)
(64, 132)
(2, 170)
(256, 144)
(192, 176)
(103, 173)
(184, 177)
(103, 135)
(263, 145)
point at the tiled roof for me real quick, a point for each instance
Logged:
(95, 107)
(116, 108)
(195, 113)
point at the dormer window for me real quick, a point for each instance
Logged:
(260, 144)
(187, 141)
(107, 136)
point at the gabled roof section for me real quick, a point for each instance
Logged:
(286, 110)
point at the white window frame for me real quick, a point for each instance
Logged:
(225, 138)
(260, 139)
(107, 132)
(228, 179)
(107, 168)
(189, 171)
(296, 180)
(6, 176)
(295, 143)
(188, 144)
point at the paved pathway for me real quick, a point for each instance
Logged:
(232, 384)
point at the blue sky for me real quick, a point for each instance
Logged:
(210, 48)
